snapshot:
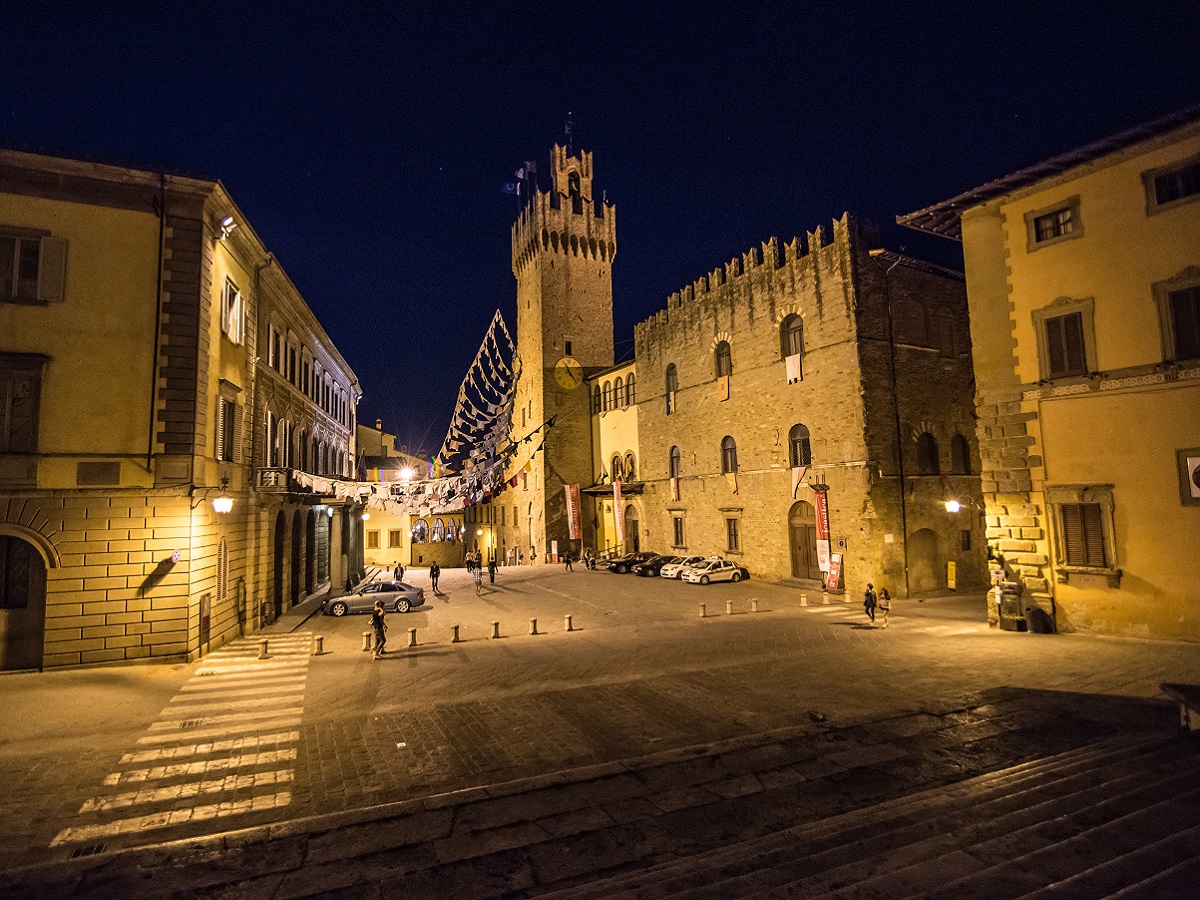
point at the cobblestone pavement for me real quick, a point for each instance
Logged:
(101, 759)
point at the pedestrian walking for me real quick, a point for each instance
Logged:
(521, 558)
(885, 604)
(399, 571)
(569, 568)
(378, 615)
(470, 562)
(477, 575)
(492, 570)
(435, 572)
(869, 601)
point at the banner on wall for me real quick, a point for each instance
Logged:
(822, 530)
(574, 513)
(835, 572)
(618, 514)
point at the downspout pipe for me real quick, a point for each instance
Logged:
(161, 203)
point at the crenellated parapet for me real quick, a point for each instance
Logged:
(823, 252)
(567, 219)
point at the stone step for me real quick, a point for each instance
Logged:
(1009, 856)
(866, 824)
(1176, 883)
(1142, 865)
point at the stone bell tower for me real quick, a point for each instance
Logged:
(563, 245)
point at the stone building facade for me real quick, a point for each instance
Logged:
(154, 358)
(1083, 274)
(872, 409)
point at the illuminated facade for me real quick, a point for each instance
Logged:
(1083, 276)
(154, 358)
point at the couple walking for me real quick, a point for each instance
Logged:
(882, 600)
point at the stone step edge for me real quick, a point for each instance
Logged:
(999, 785)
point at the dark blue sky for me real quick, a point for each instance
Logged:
(367, 144)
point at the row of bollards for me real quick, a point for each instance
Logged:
(368, 637)
(728, 608)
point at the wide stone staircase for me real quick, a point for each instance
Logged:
(1019, 794)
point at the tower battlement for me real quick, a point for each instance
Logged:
(567, 219)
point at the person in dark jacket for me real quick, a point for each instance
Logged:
(380, 627)
(435, 572)
(869, 602)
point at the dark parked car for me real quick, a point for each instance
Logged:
(623, 564)
(396, 596)
(652, 567)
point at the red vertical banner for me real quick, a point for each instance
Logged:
(822, 530)
(574, 512)
(835, 572)
(617, 514)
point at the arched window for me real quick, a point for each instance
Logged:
(619, 393)
(927, 454)
(576, 195)
(723, 359)
(631, 389)
(728, 455)
(960, 455)
(607, 395)
(675, 463)
(791, 336)
(439, 530)
(420, 531)
(672, 379)
(799, 446)
(630, 468)
(596, 407)
(617, 469)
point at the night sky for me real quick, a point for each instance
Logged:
(368, 144)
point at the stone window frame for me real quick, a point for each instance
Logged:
(1162, 290)
(1101, 495)
(678, 531)
(1069, 203)
(233, 313)
(732, 514)
(1153, 207)
(1062, 306)
(50, 282)
(674, 462)
(14, 368)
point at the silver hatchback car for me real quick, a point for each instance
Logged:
(396, 596)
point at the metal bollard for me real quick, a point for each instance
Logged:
(456, 639)
(702, 612)
(262, 649)
(754, 605)
(366, 640)
(533, 626)
(412, 637)
(729, 607)
(567, 624)
(804, 599)
(320, 642)
(495, 629)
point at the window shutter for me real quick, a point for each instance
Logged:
(1073, 534)
(1093, 536)
(1073, 338)
(221, 424)
(52, 269)
(237, 433)
(1054, 347)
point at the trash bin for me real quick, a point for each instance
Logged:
(1011, 617)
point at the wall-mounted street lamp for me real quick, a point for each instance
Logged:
(953, 506)
(365, 516)
(228, 226)
(221, 503)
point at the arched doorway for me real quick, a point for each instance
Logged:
(22, 604)
(297, 553)
(277, 567)
(924, 562)
(310, 553)
(802, 538)
(633, 541)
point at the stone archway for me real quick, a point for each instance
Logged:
(925, 563)
(277, 564)
(802, 539)
(633, 538)
(297, 554)
(22, 604)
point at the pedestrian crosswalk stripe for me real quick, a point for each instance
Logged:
(188, 789)
(240, 696)
(220, 718)
(266, 665)
(249, 742)
(175, 817)
(201, 767)
(191, 735)
(244, 682)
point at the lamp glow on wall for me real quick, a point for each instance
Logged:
(221, 503)
(953, 506)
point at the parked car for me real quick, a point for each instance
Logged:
(713, 570)
(396, 596)
(623, 564)
(651, 567)
(675, 568)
